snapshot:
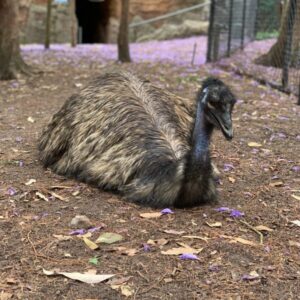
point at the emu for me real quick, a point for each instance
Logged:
(124, 134)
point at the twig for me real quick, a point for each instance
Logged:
(261, 237)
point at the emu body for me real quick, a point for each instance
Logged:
(124, 134)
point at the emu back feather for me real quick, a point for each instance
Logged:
(125, 134)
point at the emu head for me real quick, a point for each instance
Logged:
(217, 101)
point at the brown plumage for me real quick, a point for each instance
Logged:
(124, 134)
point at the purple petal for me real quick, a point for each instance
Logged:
(78, 232)
(93, 229)
(19, 139)
(146, 247)
(214, 268)
(249, 277)
(11, 191)
(267, 249)
(167, 211)
(296, 168)
(236, 213)
(21, 163)
(188, 256)
(228, 167)
(222, 209)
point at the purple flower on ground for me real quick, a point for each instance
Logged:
(166, 211)
(267, 249)
(78, 232)
(214, 268)
(21, 163)
(249, 277)
(11, 191)
(236, 213)
(146, 247)
(296, 168)
(188, 256)
(228, 167)
(19, 139)
(222, 209)
(93, 229)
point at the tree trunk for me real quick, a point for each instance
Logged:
(11, 62)
(48, 24)
(123, 45)
(72, 7)
(275, 56)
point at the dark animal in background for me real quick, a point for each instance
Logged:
(124, 134)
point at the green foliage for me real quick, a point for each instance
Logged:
(263, 35)
(268, 19)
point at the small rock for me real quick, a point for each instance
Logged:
(81, 221)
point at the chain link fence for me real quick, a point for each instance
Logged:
(232, 25)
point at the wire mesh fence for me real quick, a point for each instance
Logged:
(232, 25)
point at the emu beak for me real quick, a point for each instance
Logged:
(225, 124)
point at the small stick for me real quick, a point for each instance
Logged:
(261, 237)
(194, 54)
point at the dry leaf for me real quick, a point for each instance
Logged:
(59, 197)
(296, 197)
(181, 250)
(90, 244)
(5, 295)
(127, 290)
(30, 181)
(30, 119)
(40, 195)
(158, 242)
(126, 251)
(81, 221)
(62, 237)
(83, 277)
(151, 215)
(276, 183)
(216, 224)
(243, 241)
(109, 238)
(293, 243)
(196, 237)
(263, 228)
(171, 231)
(296, 222)
(254, 144)
(231, 179)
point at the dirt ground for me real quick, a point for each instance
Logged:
(238, 260)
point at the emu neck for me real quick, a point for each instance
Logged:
(199, 157)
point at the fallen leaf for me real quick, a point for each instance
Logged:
(216, 224)
(109, 238)
(151, 215)
(243, 241)
(41, 196)
(90, 244)
(30, 119)
(30, 182)
(59, 197)
(254, 144)
(296, 244)
(296, 197)
(83, 277)
(62, 237)
(127, 290)
(276, 183)
(158, 242)
(5, 295)
(252, 276)
(296, 222)
(263, 228)
(231, 179)
(181, 250)
(171, 231)
(205, 239)
(126, 251)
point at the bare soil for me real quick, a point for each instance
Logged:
(261, 180)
